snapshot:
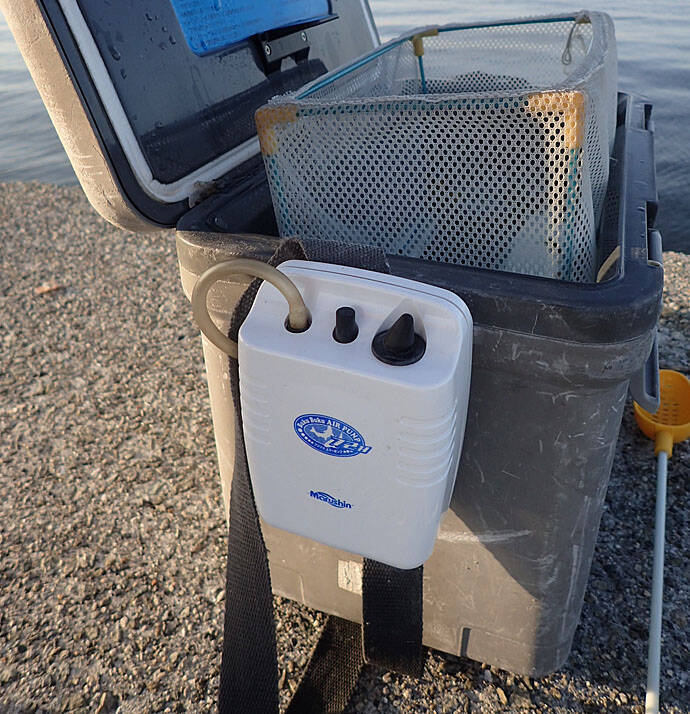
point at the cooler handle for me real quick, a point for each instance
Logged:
(644, 386)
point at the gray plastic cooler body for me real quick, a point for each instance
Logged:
(552, 361)
(506, 581)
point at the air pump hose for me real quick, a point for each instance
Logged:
(298, 318)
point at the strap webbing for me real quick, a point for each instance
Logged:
(333, 670)
(392, 599)
(249, 674)
(392, 617)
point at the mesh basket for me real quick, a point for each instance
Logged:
(482, 145)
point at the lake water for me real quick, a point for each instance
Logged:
(654, 60)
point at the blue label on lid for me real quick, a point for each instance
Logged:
(211, 25)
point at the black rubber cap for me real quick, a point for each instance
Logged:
(346, 329)
(399, 345)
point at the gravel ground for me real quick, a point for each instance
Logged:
(112, 542)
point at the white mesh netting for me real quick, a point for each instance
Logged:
(490, 150)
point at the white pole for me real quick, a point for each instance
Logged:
(654, 655)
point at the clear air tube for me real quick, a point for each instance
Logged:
(298, 313)
(654, 655)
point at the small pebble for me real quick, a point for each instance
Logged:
(502, 696)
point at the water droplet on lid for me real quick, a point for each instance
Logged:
(123, 74)
(173, 41)
(115, 54)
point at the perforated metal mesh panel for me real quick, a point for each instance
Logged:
(490, 150)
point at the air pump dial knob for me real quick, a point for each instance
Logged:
(346, 329)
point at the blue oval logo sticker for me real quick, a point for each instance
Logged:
(330, 436)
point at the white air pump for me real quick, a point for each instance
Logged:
(353, 406)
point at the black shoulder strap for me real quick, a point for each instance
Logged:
(392, 617)
(391, 635)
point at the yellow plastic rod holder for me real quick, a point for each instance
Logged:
(669, 425)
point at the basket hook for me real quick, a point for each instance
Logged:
(582, 18)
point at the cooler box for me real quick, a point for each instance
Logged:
(156, 114)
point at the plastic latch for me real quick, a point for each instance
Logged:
(292, 41)
(655, 250)
(277, 49)
(644, 386)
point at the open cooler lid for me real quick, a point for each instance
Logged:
(154, 101)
